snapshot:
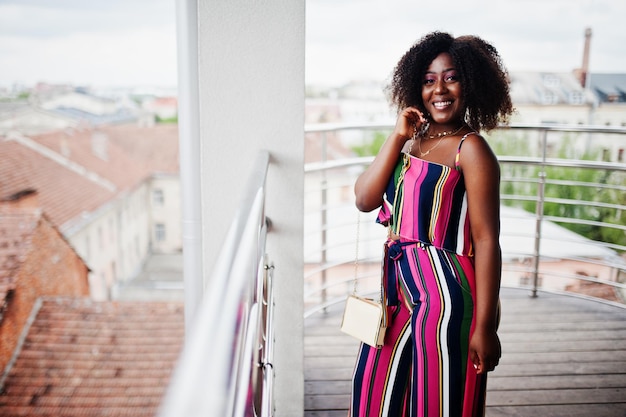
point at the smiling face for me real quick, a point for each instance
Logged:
(441, 92)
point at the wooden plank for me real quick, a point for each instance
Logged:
(557, 396)
(328, 374)
(512, 383)
(566, 335)
(326, 413)
(523, 358)
(327, 387)
(330, 362)
(562, 410)
(327, 402)
(569, 324)
(559, 369)
(562, 346)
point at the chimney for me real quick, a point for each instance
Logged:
(26, 198)
(99, 145)
(584, 71)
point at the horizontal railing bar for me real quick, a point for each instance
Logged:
(556, 219)
(586, 184)
(569, 163)
(549, 181)
(329, 265)
(335, 127)
(338, 163)
(337, 283)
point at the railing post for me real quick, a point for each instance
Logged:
(324, 218)
(539, 211)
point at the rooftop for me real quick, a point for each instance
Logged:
(77, 171)
(84, 358)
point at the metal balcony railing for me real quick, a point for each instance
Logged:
(226, 366)
(539, 253)
(539, 250)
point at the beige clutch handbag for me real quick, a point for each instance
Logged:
(364, 318)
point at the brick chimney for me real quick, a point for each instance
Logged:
(583, 72)
(26, 198)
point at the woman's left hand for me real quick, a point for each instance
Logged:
(485, 350)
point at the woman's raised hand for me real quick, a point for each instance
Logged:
(409, 120)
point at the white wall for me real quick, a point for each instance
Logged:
(251, 96)
(113, 240)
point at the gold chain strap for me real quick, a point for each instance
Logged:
(356, 260)
(356, 255)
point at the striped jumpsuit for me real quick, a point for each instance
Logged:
(423, 369)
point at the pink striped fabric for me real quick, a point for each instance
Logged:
(423, 370)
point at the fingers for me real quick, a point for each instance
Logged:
(415, 116)
(411, 120)
(475, 359)
(483, 365)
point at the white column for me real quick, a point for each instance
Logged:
(251, 88)
(189, 145)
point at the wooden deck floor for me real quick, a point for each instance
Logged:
(562, 357)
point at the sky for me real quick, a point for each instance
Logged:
(133, 42)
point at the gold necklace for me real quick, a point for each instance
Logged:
(439, 135)
(419, 147)
(442, 134)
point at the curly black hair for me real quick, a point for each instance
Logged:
(484, 80)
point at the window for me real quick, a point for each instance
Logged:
(159, 232)
(576, 97)
(548, 97)
(100, 238)
(157, 197)
(87, 248)
(551, 80)
(111, 230)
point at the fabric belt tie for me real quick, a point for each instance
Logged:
(394, 249)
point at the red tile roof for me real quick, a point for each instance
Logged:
(74, 179)
(84, 358)
(63, 193)
(93, 150)
(156, 147)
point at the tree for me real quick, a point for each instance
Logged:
(594, 198)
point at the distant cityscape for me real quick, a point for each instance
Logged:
(93, 134)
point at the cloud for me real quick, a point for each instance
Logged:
(93, 43)
(360, 39)
(130, 41)
(138, 57)
(34, 18)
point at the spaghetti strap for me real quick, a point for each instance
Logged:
(458, 151)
